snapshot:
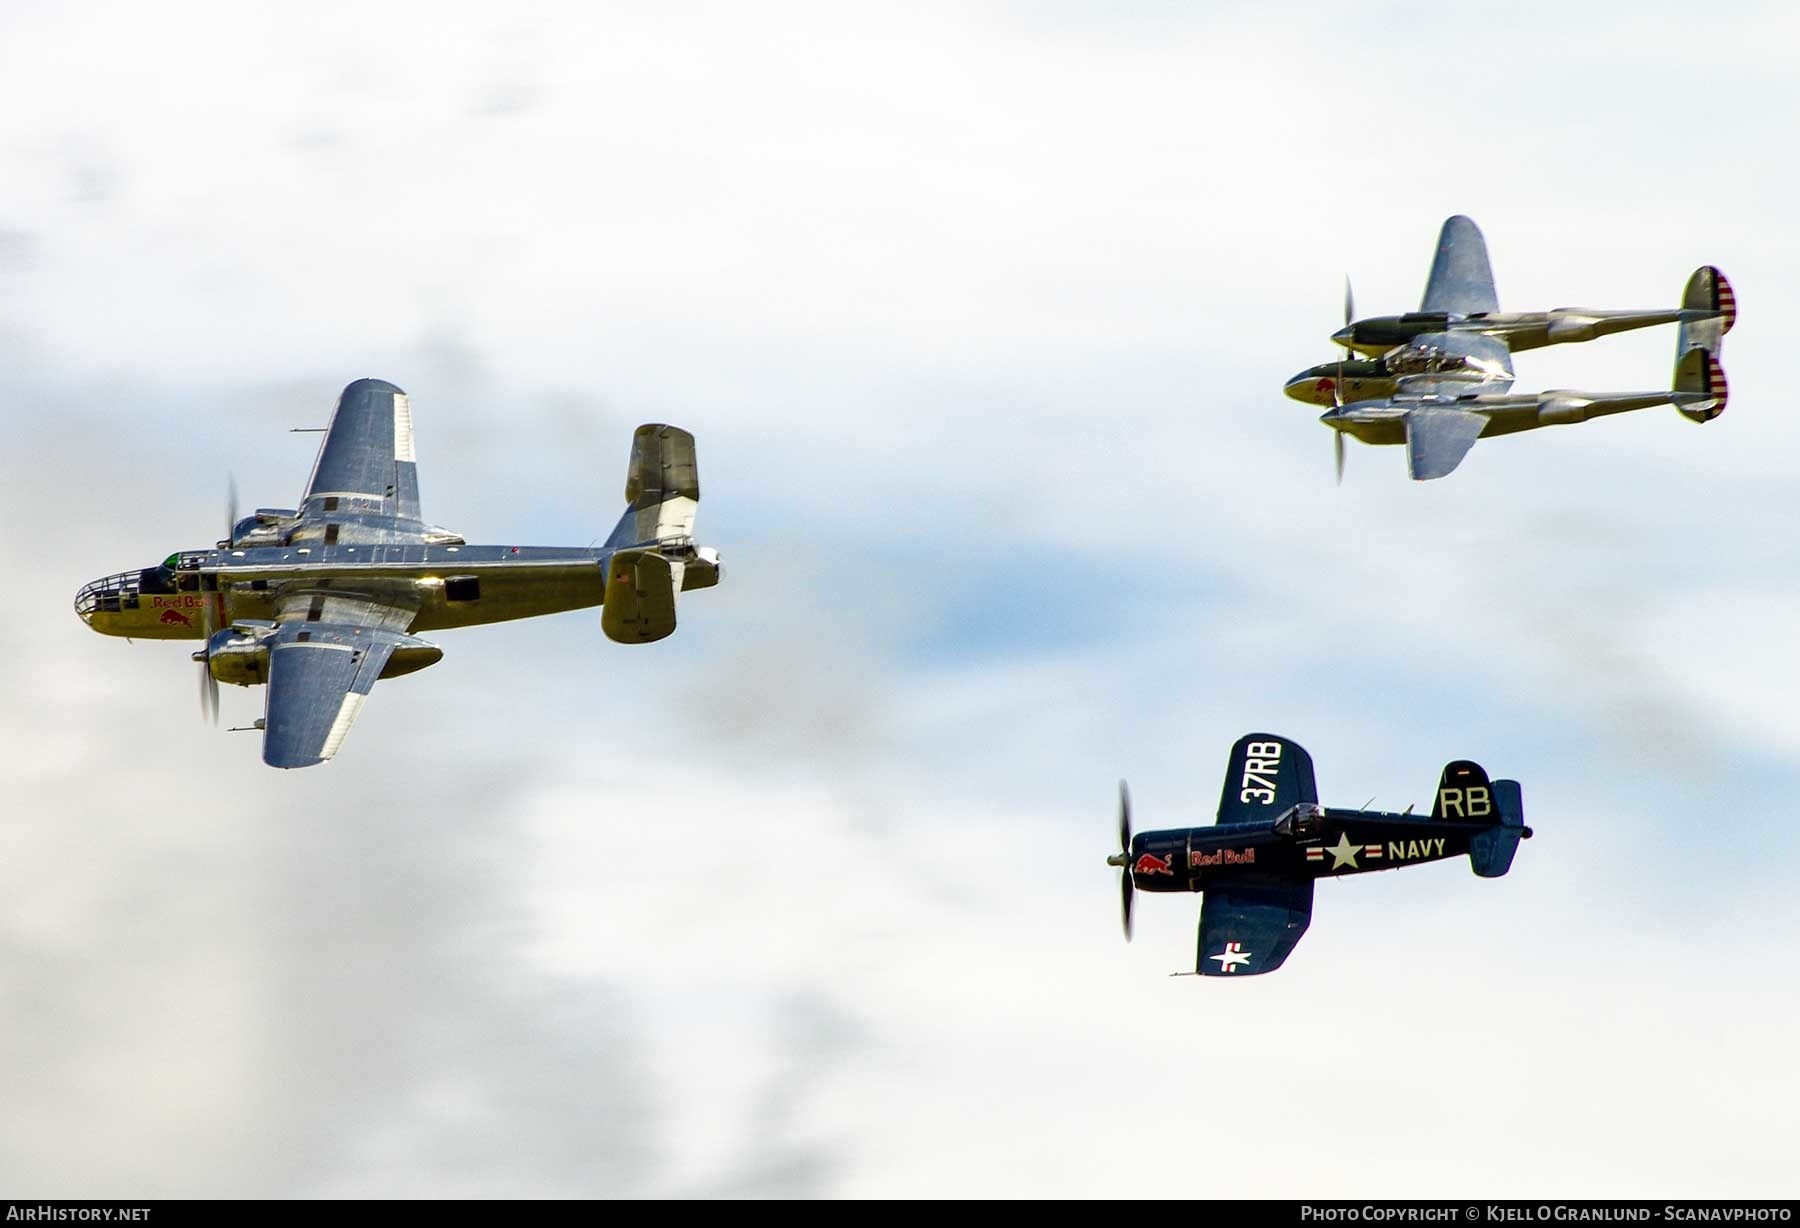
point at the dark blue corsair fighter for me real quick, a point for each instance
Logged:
(1257, 864)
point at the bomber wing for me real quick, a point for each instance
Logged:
(1248, 928)
(366, 467)
(327, 651)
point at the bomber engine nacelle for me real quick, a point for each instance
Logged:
(270, 526)
(239, 654)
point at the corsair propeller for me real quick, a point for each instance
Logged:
(1122, 859)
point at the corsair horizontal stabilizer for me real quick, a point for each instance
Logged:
(1491, 852)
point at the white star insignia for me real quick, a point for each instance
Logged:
(1233, 955)
(1343, 853)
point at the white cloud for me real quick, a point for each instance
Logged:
(980, 316)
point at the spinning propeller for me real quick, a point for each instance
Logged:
(209, 690)
(209, 685)
(1337, 390)
(1122, 859)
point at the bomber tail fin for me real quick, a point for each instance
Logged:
(662, 487)
(654, 556)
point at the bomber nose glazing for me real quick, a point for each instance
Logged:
(107, 596)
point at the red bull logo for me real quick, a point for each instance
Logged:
(176, 616)
(1150, 863)
(1198, 860)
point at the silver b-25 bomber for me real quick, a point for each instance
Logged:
(1439, 378)
(322, 601)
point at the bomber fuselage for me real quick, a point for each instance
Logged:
(455, 585)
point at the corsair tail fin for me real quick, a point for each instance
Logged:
(1700, 388)
(1464, 793)
(1491, 852)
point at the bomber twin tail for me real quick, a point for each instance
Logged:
(321, 601)
(1256, 866)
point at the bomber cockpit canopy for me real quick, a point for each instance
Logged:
(180, 572)
(1300, 821)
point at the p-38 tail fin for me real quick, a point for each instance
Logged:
(1708, 310)
(1708, 291)
(1700, 387)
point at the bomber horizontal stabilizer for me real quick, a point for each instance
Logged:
(640, 597)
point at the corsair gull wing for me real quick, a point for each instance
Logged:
(1265, 775)
(1248, 928)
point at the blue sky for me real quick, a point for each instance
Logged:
(980, 315)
